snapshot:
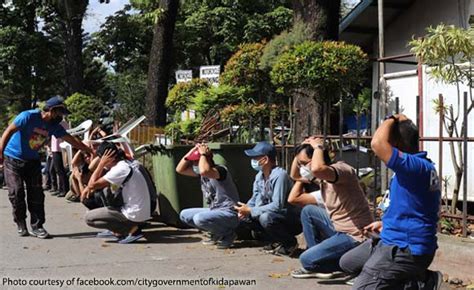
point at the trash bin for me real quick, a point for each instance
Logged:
(178, 192)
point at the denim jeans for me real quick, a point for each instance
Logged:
(325, 244)
(220, 222)
(276, 226)
(19, 173)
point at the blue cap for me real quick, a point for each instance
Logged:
(56, 102)
(261, 149)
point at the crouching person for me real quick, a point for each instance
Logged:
(346, 206)
(123, 175)
(220, 192)
(267, 214)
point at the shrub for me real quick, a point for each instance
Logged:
(83, 107)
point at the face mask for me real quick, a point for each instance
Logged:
(196, 169)
(255, 165)
(306, 173)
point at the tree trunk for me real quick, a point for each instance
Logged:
(26, 66)
(160, 63)
(72, 13)
(321, 17)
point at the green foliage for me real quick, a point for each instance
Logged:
(216, 98)
(82, 108)
(444, 48)
(362, 101)
(208, 32)
(187, 129)
(243, 69)
(282, 43)
(182, 94)
(129, 90)
(326, 67)
(124, 41)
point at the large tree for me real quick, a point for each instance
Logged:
(321, 19)
(69, 15)
(164, 13)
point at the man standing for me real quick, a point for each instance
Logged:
(408, 236)
(58, 173)
(268, 212)
(19, 148)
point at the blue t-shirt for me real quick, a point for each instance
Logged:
(32, 134)
(411, 220)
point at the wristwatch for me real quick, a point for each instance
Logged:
(391, 117)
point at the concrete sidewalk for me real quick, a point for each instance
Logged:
(168, 253)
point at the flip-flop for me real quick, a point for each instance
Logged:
(105, 234)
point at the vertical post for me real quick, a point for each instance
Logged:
(464, 179)
(382, 89)
(440, 143)
(358, 141)
(376, 161)
(397, 105)
(420, 102)
(417, 109)
(283, 140)
(341, 120)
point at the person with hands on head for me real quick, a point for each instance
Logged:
(219, 190)
(123, 177)
(401, 256)
(338, 225)
(267, 214)
(19, 148)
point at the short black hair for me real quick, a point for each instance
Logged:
(309, 150)
(405, 134)
(104, 146)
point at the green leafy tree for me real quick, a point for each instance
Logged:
(124, 41)
(449, 51)
(83, 107)
(129, 91)
(182, 95)
(329, 68)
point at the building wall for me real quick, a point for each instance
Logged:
(413, 22)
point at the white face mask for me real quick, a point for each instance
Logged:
(306, 173)
(196, 169)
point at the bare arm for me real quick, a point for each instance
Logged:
(7, 134)
(184, 166)
(319, 168)
(295, 172)
(205, 167)
(76, 143)
(298, 197)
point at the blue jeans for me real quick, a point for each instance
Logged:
(220, 222)
(325, 244)
(276, 226)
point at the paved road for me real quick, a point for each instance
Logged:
(167, 253)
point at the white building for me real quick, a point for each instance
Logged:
(403, 20)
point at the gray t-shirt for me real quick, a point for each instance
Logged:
(222, 192)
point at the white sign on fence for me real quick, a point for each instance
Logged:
(183, 76)
(210, 73)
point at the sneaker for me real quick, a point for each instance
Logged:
(270, 248)
(61, 194)
(22, 229)
(227, 242)
(351, 281)
(285, 251)
(73, 198)
(105, 234)
(211, 240)
(302, 273)
(54, 192)
(39, 233)
(131, 237)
